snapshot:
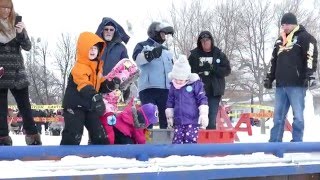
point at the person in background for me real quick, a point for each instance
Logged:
(83, 103)
(293, 63)
(13, 38)
(187, 104)
(113, 34)
(212, 65)
(155, 62)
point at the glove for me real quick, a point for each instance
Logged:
(98, 104)
(154, 53)
(203, 116)
(1, 71)
(113, 84)
(169, 115)
(311, 81)
(267, 83)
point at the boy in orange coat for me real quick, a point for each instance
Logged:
(83, 103)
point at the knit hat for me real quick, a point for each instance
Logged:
(150, 112)
(289, 18)
(181, 69)
(110, 24)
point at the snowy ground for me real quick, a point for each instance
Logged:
(73, 165)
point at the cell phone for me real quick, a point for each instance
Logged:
(18, 19)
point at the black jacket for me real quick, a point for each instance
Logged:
(291, 65)
(212, 67)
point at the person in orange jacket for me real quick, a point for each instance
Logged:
(83, 102)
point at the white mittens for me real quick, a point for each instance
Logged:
(203, 116)
(169, 115)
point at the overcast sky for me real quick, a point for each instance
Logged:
(49, 18)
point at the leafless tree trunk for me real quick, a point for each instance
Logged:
(254, 32)
(64, 57)
(33, 71)
(43, 54)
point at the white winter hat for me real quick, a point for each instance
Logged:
(181, 69)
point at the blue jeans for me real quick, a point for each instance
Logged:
(213, 103)
(286, 96)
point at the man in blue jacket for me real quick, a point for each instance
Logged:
(113, 34)
(155, 62)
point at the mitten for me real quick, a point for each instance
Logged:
(267, 83)
(203, 116)
(98, 104)
(169, 115)
(154, 53)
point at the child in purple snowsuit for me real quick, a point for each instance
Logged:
(187, 104)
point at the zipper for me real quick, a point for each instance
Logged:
(97, 71)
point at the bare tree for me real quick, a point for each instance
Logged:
(44, 85)
(33, 69)
(225, 23)
(43, 55)
(64, 57)
(188, 21)
(254, 32)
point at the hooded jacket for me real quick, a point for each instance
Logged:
(293, 62)
(218, 66)
(85, 79)
(186, 101)
(115, 51)
(125, 124)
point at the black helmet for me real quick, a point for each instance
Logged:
(156, 27)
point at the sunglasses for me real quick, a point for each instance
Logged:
(109, 29)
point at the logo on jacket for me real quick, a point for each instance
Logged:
(218, 61)
(189, 88)
(205, 59)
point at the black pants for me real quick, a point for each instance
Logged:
(120, 138)
(158, 97)
(213, 103)
(22, 98)
(75, 120)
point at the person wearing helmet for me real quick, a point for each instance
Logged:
(155, 61)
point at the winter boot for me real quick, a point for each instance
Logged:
(5, 141)
(34, 139)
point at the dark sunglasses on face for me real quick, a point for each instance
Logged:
(107, 29)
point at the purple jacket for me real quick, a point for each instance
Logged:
(186, 102)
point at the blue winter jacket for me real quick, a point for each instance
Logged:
(115, 49)
(186, 102)
(153, 74)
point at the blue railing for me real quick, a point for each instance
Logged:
(143, 152)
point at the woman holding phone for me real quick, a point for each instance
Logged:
(13, 38)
